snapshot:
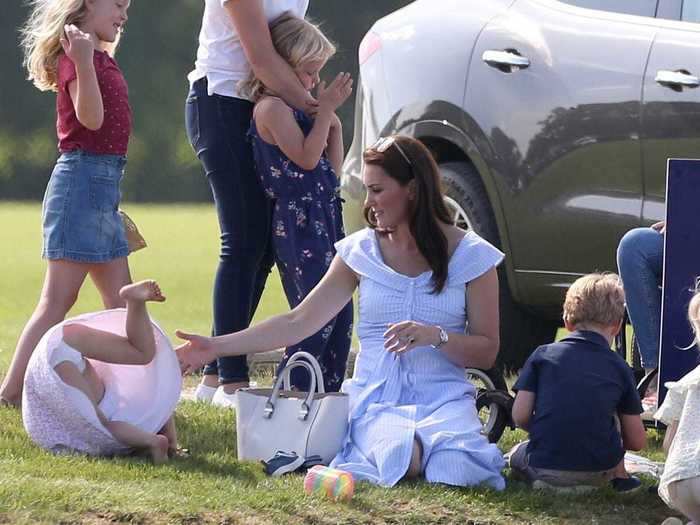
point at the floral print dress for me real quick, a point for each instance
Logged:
(306, 223)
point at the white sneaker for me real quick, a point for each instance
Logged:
(672, 521)
(204, 393)
(222, 399)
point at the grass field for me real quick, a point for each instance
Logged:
(210, 486)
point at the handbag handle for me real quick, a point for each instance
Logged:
(297, 357)
(305, 405)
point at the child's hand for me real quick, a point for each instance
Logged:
(77, 45)
(195, 353)
(332, 97)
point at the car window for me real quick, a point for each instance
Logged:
(628, 7)
(691, 11)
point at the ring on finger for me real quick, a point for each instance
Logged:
(411, 340)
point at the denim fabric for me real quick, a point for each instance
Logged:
(80, 214)
(640, 263)
(217, 127)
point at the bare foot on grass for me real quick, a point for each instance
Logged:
(142, 291)
(159, 450)
(9, 402)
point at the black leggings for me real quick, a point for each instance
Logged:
(217, 128)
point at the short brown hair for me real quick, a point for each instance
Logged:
(596, 298)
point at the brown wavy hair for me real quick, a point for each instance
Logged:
(428, 210)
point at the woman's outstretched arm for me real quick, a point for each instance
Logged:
(313, 313)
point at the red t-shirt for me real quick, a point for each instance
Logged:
(113, 137)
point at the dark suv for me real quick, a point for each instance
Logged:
(551, 122)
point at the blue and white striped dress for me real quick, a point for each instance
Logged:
(421, 393)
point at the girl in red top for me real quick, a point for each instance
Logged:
(68, 48)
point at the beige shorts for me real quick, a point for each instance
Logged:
(519, 462)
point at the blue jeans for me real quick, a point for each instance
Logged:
(216, 128)
(640, 263)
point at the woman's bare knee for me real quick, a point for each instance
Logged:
(414, 468)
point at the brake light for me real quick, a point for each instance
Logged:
(370, 44)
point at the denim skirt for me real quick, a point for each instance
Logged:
(80, 210)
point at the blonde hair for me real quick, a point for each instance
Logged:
(41, 36)
(596, 298)
(694, 314)
(297, 41)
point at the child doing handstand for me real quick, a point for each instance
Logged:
(75, 351)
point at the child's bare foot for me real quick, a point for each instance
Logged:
(10, 403)
(9, 400)
(142, 291)
(159, 450)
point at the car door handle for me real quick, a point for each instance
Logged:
(677, 78)
(506, 58)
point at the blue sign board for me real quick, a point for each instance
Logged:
(678, 355)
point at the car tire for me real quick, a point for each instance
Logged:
(521, 331)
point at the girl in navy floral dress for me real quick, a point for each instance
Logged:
(297, 158)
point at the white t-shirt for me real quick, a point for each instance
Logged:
(220, 56)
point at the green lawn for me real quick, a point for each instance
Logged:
(211, 486)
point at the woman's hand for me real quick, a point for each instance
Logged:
(332, 97)
(77, 45)
(195, 353)
(407, 335)
(659, 227)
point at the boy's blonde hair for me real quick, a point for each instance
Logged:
(597, 298)
(297, 41)
(694, 314)
(41, 38)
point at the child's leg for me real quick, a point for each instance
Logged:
(61, 286)
(139, 329)
(169, 432)
(109, 278)
(138, 348)
(125, 433)
(685, 496)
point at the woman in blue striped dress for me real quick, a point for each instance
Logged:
(428, 308)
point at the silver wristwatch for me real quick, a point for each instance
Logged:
(443, 338)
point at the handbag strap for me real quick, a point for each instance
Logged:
(305, 405)
(297, 357)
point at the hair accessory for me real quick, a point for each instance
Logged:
(384, 143)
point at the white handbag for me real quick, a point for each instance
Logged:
(307, 423)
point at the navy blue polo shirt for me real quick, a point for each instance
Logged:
(579, 385)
